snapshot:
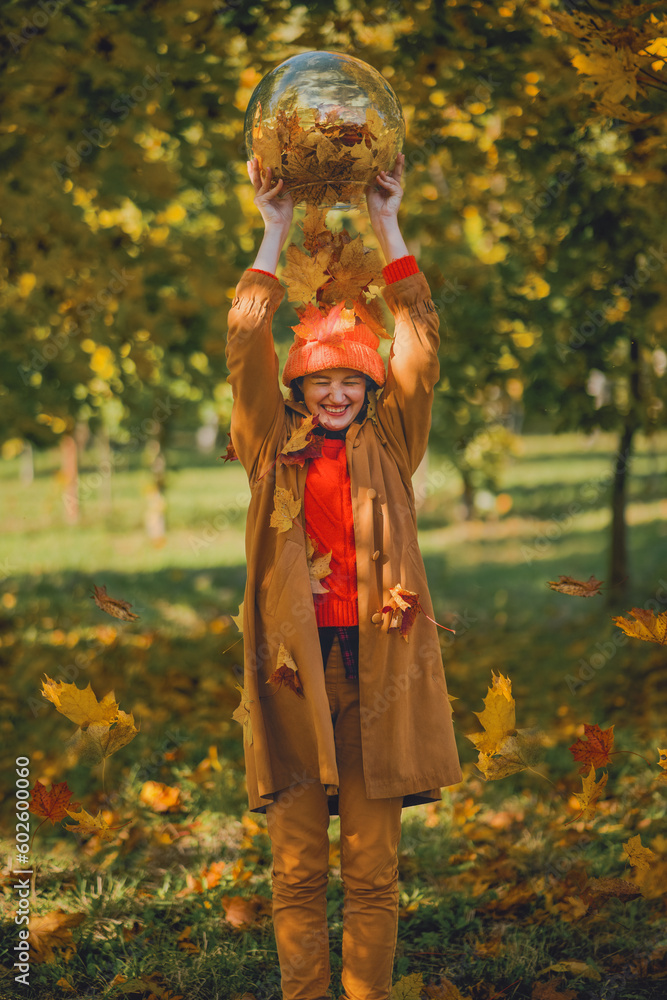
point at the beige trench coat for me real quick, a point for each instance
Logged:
(408, 742)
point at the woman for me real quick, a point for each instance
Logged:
(366, 729)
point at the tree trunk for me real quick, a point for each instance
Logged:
(26, 465)
(468, 495)
(70, 479)
(618, 565)
(156, 503)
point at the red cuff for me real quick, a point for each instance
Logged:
(259, 271)
(401, 268)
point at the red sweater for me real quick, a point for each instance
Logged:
(328, 507)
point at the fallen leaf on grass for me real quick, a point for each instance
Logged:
(572, 966)
(112, 605)
(242, 912)
(160, 797)
(408, 987)
(551, 990)
(52, 930)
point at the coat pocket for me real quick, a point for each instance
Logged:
(279, 577)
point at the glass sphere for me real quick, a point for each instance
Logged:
(326, 123)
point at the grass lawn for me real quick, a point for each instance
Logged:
(492, 879)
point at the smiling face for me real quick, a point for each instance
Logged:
(336, 395)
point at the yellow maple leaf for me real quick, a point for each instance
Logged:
(352, 273)
(514, 753)
(304, 274)
(242, 714)
(317, 568)
(648, 625)
(80, 705)
(638, 856)
(591, 792)
(52, 930)
(92, 824)
(96, 742)
(286, 509)
(408, 987)
(298, 439)
(238, 618)
(498, 717)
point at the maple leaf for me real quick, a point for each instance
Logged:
(498, 717)
(370, 313)
(238, 618)
(577, 588)
(445, 990)
(591, 792)
(638, 856)
(302, 274)
(325, 328)
(241, 912)
(97, 742)
(301, 436)
(96, 825)
(52, 930)
(242, 714)
(113, 606)
(648, 626)
(352, 273)
(80, 705)
(317, 568)
(606, 888)
(594, 747)
(286, 509)
(54, 804)
(230, 455)
(404, 607)
(286, 672)
(513, 753)
(408, 987)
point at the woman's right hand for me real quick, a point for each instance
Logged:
(275, 208)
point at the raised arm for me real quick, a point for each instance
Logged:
(258, 409)
(414, 369)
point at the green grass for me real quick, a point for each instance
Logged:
(487, 879)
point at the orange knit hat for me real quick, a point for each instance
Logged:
(333, 341)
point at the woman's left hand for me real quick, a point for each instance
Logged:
(383, 197)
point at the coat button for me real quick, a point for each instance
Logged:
(357, 442)
(372, 494)
(377, 618)
(376, 555)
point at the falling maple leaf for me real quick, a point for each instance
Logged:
(325, 327)
(54, 804)
(302, 444)
(242, 714)
(498, 717)
(318, 568)
(594, 747)
(113, 606)
(638, 856)
(286, 672)
(404, 607)
(577, 588)
(52, 930)
(602, 889)
(96, 825)
(286, 509)
(591, 792)
(80, 705)
(648, 626)
(356, 269)
(370, 313)
(230, 454)
(97, 742)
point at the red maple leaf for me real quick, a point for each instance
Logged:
(594, 747)
(230, 455)
(52, 805)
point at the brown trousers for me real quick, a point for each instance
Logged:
(370, 831)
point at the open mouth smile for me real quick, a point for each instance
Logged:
(334, 410)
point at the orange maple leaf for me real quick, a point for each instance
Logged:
(52, 805)
(577, 588)
(302, 444)
(648, 626)
(594, 747)
(52, 930)
(112, 605)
